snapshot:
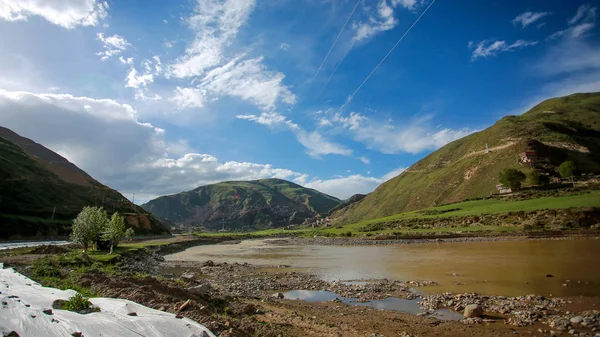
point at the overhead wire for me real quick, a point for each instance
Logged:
(384, 58)
(333, 45)
(346, 54)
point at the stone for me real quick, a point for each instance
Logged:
(162, 309)
(473, 310)
(278, 295)
(201, 289)
(549, 275)
(188, 275)
(572, 331)
(47, 311)
(576, 319)
(11, 334)
(77, 334)
(132, 314)
(208, 263)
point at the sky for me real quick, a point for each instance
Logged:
(158, 97)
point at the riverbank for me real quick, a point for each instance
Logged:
(237, 299)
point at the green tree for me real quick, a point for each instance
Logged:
(114, 230)
(87, 225)
(567, 169)
(537, 178)
(512, 178)
(129, 233)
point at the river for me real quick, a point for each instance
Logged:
(507, 268)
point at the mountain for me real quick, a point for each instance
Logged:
(559, 129)
(41, 192)
(253, 204)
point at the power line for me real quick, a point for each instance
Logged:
(346, 54)
(384, 58)
(333, 45)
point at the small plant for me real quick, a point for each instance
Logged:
(567, 169)
(77, 303)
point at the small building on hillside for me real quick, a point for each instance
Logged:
(528, 157)
(502, 189)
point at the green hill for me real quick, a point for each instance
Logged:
(42, 192)
(559, 129)
(253, 204)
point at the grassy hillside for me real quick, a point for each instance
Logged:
(34, 188)
(254, 204)
(565, 128)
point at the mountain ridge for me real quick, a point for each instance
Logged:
(263, 203)
(562, 128)
(41, 192)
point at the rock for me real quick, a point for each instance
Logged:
(208, 263)
(549, 275)
(576, 319)
(178, 316)
(10, 334)
(188, 275)
(572, 331)
(132, 314)
(47, 311)
(77, 334)
(162, 309)
(278, 295)
(473, 310)
(58, 304)
(201, 290)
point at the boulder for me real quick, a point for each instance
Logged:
(473, 310)
(278, 295)
(188, 275)
(201, 290)
(576, 319)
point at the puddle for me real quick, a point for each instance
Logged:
(390, 303)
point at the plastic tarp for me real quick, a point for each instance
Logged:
(22, 302)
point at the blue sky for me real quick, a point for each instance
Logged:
(156, 97)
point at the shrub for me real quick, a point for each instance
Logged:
(77, 303)
(567, 169)
(512, 178)
(537, 178)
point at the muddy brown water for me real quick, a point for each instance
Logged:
(508, 268)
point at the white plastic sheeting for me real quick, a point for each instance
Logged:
(23, 301)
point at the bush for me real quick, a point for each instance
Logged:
(512, 178)
(77, 303)
(567, 169)
(537, 178)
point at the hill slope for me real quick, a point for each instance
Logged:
(565, 128)
(243, 204)
(34, 180)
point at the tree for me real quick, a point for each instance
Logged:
(567, 169)
(114, 230)
(537, 178)
(512, 178)
(87, 225)
(129, 233)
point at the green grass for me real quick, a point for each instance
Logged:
(265, 232)
(480, 207)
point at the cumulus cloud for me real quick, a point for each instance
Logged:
(365, 160)
(487, 48)
(113, 45)
(68, 14)
(106, 139)
(284, 46)
(527, 18)
(384, 20)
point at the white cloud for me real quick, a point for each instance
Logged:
(215, 23)
(579, 25)
(365, 160)
(136, 80)
(106, 139)
(140, 81)
(414, 137)
(128, 60)
(345, 187)
(528, 18)
(383, 21)
(284, 46)
(187, 98)
(68, 14)
(408, 4)
(113, 45)
(487, 48)
(314, 142)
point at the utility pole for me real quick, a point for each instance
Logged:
(133, 199)
(53, 211)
